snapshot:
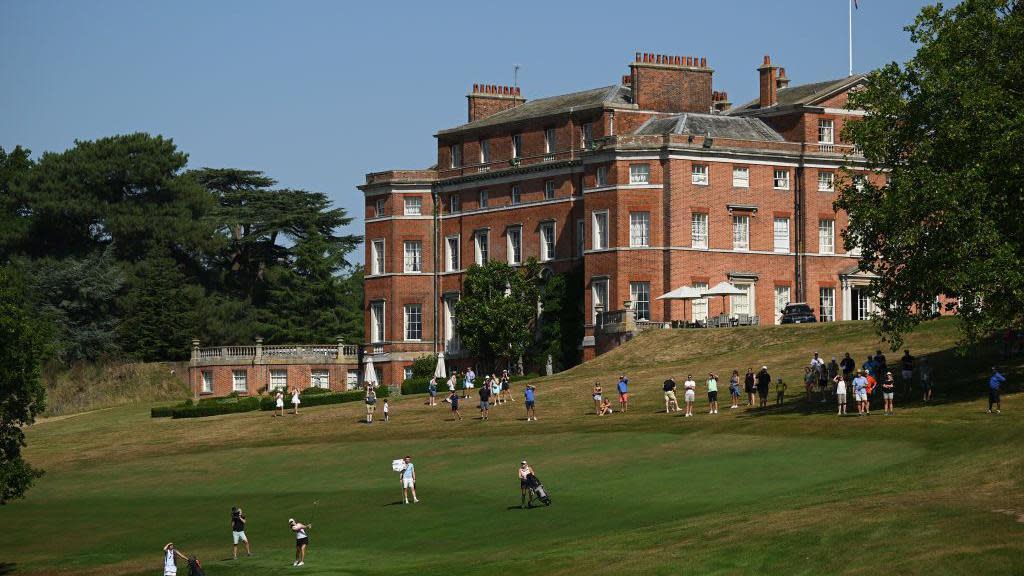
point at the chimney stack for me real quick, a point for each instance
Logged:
(782, 81)
(488, 99)
(720, 102)
(670, 83)
(769, 88)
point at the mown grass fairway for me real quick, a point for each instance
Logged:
(933, 490)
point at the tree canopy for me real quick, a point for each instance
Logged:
(947, 130)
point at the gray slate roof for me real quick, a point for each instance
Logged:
(541, 107)
(716, 125)
(802, 94)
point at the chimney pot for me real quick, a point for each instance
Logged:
(767, 60)
(637, 57)
(703, 62)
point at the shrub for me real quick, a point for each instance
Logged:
(423, 367)
(416, 386)
(225, 406)
(161, 412)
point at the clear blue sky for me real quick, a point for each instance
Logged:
(317, 93)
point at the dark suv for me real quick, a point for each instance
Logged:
(797, 313)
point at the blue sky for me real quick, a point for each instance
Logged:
(317, 93)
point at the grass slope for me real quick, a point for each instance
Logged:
(933, 490)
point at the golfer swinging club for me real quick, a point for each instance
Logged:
(301, 540)
(409, 480)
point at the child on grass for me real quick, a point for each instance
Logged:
(387, 411)
(780, 392)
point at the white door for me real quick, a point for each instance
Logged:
(781, 299)
(741, 303)
(700, 305)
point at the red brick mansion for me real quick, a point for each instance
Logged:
(650, 184)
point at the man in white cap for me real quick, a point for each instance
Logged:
(524, 471)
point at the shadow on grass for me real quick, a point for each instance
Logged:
(957, 377)
(7, 567)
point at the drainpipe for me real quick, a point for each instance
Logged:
(798, 220)
(437, 225)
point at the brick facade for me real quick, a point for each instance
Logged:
(560, 161)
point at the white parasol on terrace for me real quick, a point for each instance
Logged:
(369, 372)
(683, 293)
(440, 372)
(723, 289)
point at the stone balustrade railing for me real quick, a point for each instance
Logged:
(339, 351)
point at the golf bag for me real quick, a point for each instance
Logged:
(194, 567)
(533, 483)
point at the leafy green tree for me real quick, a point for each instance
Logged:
(158, 310)
(497, 312)
(947, 127)
(560, 329)
(13, 167)
(22, 396)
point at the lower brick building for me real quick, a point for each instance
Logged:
(649, 184)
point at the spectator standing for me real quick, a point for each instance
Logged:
(840, 381)
(495, 390)
(623, 387)
(453, 399)
(689, 393)
(279, 403)
(869, 365)
(906, 371)
(995, 383)
(780, 391)
(295, 401)
(408, 475)
(810, 379)
(301, 540)
(848, 366)
(370, 399)
(506, 388)
(485, 397)
(764, 381)
(734, 389)
(432, 391)
(872, 384)
(669, 388)
(387, 411)
(452, 382)
(597, 395)
(238, 532)
(171, 555)
(748, 386)
(888, 391)
(860, 392)
(927, 386)
(530, 394)
(468, 383)
(712, 384)
(881, 365)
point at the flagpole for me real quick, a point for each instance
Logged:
(851, 36)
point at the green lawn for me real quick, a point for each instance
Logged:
(933, 490)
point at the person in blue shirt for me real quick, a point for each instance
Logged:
(531, 394)
(409, 480)
(623, 393)
(860, 392)
(994, 383)
(869, 365)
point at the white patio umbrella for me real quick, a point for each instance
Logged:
(440, 371)
(369, 372)
(683, 293)
(723, 289)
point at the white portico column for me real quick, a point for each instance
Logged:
(847, 299)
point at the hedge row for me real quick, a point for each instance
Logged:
(235, 404)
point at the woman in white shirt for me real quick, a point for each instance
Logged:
(301, 540)
(690, 391)
(840, 393)
(279, 403)
(171, 556)
(295, 401)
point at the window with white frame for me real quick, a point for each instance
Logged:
(517, 145)
(453, 258)
(547, 241)
(320, 379)
(278, 379)
(741, 177)
(352, 379)
(639, 173)
(485, 151)
(826, 304)
(549, 189)
(481, 244)
(377, 257)
(741, 303)
(413, 256)
(207, 382)
(456, 154)
(780, 179)
(378, 208)
(413, 205)
(455, 204)
(549, 141)
(413, 321)
(599, 288)
(826, 181)
(826, 135)
(600, 239)
(639, 228)
(516, 198)
(781, 299)
(640, 294)
(781, 229)
(601, 176)
(699, 230)
(700, 305)
(407, 373)
(741, 233)
(580, 237)
(239, 381)
(483, 196)
(377, 321)
(699, 174)
(826, 236)
(515, 244)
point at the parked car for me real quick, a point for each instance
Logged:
(797, 313)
